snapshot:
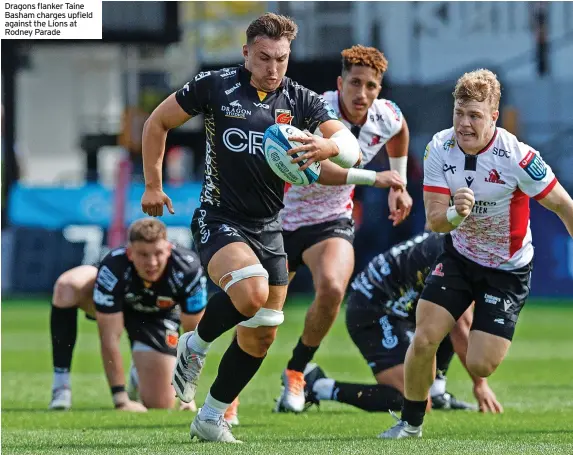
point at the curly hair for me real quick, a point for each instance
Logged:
(363, 56)
(479, 85)
(147, 230)
(273, 26)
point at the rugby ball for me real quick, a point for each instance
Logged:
(276, 145)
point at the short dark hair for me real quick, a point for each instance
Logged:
(363, 56)
(273, 26)
(147, 230)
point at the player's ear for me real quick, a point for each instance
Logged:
(495, 115)
(129, 252)
(339, 83)
(245, 51)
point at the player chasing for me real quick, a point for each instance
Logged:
(149, 288)
(236, 228)
(380, 318)
(488, 248)
(317, 220)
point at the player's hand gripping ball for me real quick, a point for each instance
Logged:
(276, 145)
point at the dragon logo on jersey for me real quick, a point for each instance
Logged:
(534, 165)
(449, 144)
(283, 116)
(494, 177)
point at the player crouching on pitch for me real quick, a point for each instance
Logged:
(151, 288)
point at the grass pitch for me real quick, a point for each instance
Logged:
(535, 385)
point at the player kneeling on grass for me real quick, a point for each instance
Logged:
(381, 320)
(143, 288)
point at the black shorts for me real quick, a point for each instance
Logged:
(499, 295)
(301, 239)
(381, 338)
(159, 332)
(213, 230)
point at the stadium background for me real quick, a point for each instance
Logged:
(71, 181)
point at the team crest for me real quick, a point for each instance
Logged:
(171, 338)
(438, 271)
(164, 302)
(283, 116)
(534, 165)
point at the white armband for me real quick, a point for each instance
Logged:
(348, 148)
(400, 165)
(454, 218)
(361, 177)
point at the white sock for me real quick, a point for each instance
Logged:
(438, 387)
(323, 388)
(133, 376)
(197, 344)
(61, 379)
(212, 409)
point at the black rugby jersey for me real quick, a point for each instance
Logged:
(395, 279)
(118, 287)
(237, 178)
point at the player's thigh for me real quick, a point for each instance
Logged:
(75, 288)
(485, 352)
(433, 323)
(331, 263)
(154, 370)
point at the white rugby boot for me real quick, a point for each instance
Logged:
(61, 399)
(212, 430)
(187, 370)
(292, 396)
(401, 430)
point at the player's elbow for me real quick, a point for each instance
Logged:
(349, 154)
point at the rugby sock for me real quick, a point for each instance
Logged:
(220, 315)
(301, 355)
(413, 412)
(64, 329)
(444, 356)
(372, 398)
(236, 369)
(213, 409)
(198, 344)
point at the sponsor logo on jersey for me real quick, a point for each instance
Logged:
(491, 299)
(534, 165)
(283, 116)
(233, 88)
(501, 152)
(202, 75)
(390, 341)
(203, 229)
(438, 271)
(449, 168)
(106, 278)
(262, 105)
(227, 73)
(164, 302)
(237, 140)
(130, 297)
(102, 299)
(235, 110)
(469, 180)
(507, 304)
(494, 177)
(427, 152)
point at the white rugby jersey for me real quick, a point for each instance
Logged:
(316, 203)
(503, 176)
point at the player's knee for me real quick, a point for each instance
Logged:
(65, 292)
(482, 367)
(424, 343)
(248, 288)
(330, 293)
(163, 401)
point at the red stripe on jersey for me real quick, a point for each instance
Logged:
(547, 190)
(518, 220)
(350, 203)
(287, 187)
(437, 189)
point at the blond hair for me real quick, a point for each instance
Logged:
(273, 26)
(363, 56)
(147, 230)
(479, 85)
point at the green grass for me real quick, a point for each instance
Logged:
(535, 384)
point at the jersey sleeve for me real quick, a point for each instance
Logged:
(535, 178)
(434, 177)
(315, 110)
(393, 117)
(195, 95)
(193, 295)
(107, 289)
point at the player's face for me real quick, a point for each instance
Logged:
(358, 89)
(267, 60)
(149, 258)
(474, 123)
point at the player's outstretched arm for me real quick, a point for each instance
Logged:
(485, 397)
(110, 326)
(559, 202)
(332, 174)
(169, 114)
